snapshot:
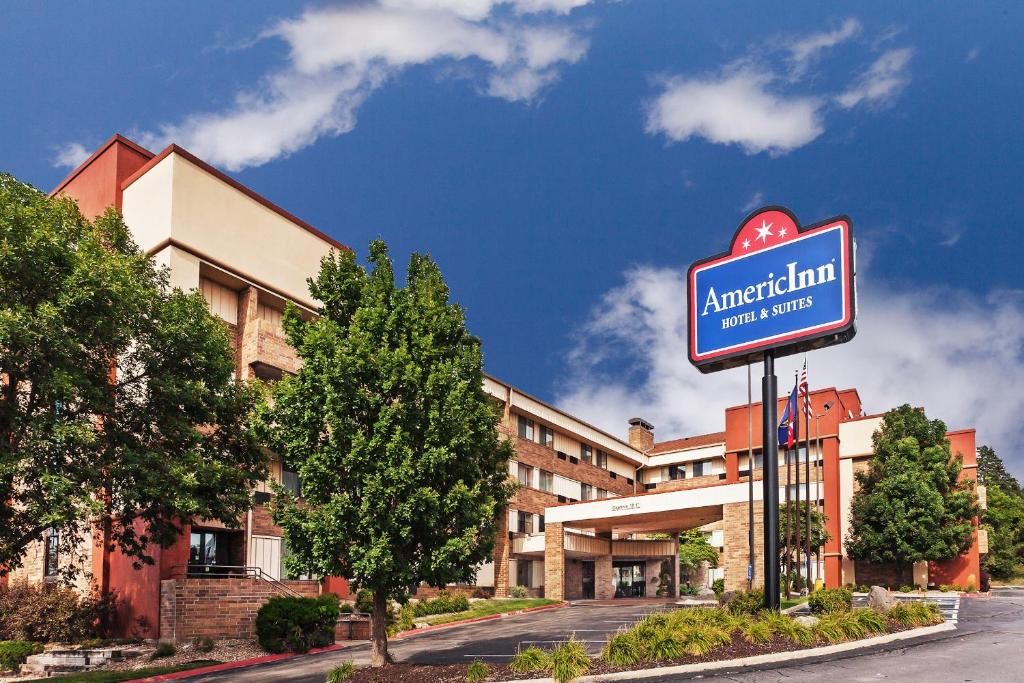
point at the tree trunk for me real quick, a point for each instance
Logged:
(379, 630)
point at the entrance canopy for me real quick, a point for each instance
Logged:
(663, 511)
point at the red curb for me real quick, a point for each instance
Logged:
(226, 666)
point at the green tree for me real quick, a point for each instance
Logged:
(1004, 520)
(992, 471)
(117, 405)
(911, 505)
(404, 473)
(694, 550)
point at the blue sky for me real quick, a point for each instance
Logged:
(565, 160)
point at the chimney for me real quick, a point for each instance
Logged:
(641, 434)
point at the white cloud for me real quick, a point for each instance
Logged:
(972, 54)
(805, 50)
(959, 355)
(70, 155)
(339, 56)
(735, 108)
(883, 80)
(756, 200)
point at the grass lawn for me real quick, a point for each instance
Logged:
(483, 608)
(115, 676)
(793, 602)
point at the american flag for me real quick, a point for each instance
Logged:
(804, 389)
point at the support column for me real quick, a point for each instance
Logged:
(554, 561)
(502, 554)
(248, 333)
(675, 567)
(603, 587)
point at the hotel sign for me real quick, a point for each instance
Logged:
(780, 286)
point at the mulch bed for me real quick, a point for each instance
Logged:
(456, 673)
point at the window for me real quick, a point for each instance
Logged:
(524, 523)
(586, 492)
(676, 472)
(586, 453)
(601, 494)
(701, 468)
(525, 428)
(547, 481)
(524, 569)
(51, 547)
(540, 523)
(525, 474)
(290, 481)
(203, 548)
(547, 436)
(602, 459)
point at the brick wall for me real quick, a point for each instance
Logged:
(737, 554)
(554, 570)
(871, 574)
(217, 608)
(536, 455)
(262, 524)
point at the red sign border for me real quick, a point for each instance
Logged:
(834, 333)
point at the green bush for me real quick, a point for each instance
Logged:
(746, 602)
(202, 643)
(719, 587)
(622, 649)
(477, 672)
(47, 613)
(755, 632)
(163, 650)
(14, 652)
(971, 587)
(906, 589)
(519, 592)
(531, 660)
(872, 620)
(786, 627)
(364, 601)
(912, 614)
(444, 603)
(830, 601)
(701, 640)
(569, 661)
(863, 589)
(341, 673)
(687, 589)
(346, 608)
(291, 624)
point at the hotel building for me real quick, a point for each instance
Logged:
(594, 517)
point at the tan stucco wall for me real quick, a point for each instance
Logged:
(178, 200)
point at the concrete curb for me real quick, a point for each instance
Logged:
(758, 660)
(489, 617)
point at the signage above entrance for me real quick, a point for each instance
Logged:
(780, 286)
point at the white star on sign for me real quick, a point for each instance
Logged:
(746, 244)
(764, 232)
(782, 231)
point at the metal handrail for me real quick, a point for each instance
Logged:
(227, 570)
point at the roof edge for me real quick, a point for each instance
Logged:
(116, 137)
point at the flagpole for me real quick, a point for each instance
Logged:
(796, 515)
(807, 469)
(750, 480)
(789, 523)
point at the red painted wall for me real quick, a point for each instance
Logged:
(966, 568)
(337, 585)
(96, 183)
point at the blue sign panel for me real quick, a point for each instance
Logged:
(779, 287)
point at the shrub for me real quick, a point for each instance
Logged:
(950, 587)
(346, 608)
(569, 661)
(863, 589)
(202, 643)
(830, 601)
(342, 673)
(839, 626)
(701, 640)
(719, 587)
(404, 623)
(163, 650)
(477, 672)
(622, 649)
(746, 602)
(444, 603)
(971, 587)
(531, 660)
(482, 593)
(48, 613)
(292, 624)
(364, 601)
(14, 652)
(518, 592)
(871, 620)
(906, 589)
(663, 645)
(786, 627)
(755, 632)
(687, 589)
(912, 614)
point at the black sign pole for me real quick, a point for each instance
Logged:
(770, 481)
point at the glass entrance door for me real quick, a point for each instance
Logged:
(588, 580)
(629, 579)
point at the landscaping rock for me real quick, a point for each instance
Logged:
(808, 621)
(707, 594)
(880, 599)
